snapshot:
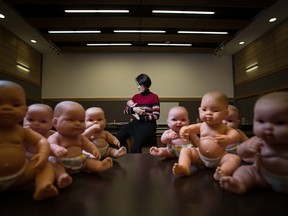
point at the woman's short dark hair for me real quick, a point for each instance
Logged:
(144, 80)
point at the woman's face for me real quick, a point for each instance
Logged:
(140, 88)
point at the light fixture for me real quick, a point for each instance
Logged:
(272, 19)
(251, 67)
(23, 67)
(139, 31)
(109, 44)
(201, 32)
(169, 44)
(183, 12)
(241, 42)
(96, 11)
(33, 41)
(2, 16)
(74, 32)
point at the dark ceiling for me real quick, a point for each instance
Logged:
(230, 15)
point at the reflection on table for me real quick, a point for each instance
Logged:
(141, 184)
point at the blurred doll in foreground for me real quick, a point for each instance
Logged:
(269, 145)
(177, 118)
(15, 169)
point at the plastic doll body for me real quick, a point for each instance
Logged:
(39, 119)
(177, 118)
(95, 124)
(214, 137)
(68, 142)
(232, 120)
(15, 169)
(269, 146)
(131, 103)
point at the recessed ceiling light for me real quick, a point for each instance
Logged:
(33, 41)
(139, 31)
(273, 19)
(201, 32)
(241, 42)
(182, 12)
(96, 11)
(74, 32)
(2, 16)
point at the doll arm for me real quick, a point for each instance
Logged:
(185, 131)
(90, 131)
(41, 157)
(89, 147)
(232, 136)
(168, 135)
(110, 138)
(250, 148)
(56, 149)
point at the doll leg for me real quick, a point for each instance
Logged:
(161, 152)
(228, 164)
(63, 179)
(187, 157)
(244, 178)
(95, 165)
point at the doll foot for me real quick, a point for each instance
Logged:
(103, 165)
(154, 151)
(179, 170)
(64, 180)
(120, 152)
(47, 192)
(218, 173)
(233, 185)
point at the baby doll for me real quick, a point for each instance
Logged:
(95, 124)
(214, 137)
(131, 103)
(15, 169)
(177, 118)
(232, 120)
(39, 118)
(68, 142)
(269, 145)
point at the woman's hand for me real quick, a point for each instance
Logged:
(139, 111)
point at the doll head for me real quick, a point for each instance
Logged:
(214, 107)
(39, 118)
(177, 118)
(131, 103)
(95, 115)
(271, 118)
(69, 118)
(12, 104)
(232, 119)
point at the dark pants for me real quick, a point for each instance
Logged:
(140, 133)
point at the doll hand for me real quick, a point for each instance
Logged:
(255, 145)
(96, 128)
(174, 135)
(184, 132)
(221, 139)
(116, 142)
(39, 160)
(96, 153)
(59, 151)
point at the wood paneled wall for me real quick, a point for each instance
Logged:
(12, 51)
(270, 52)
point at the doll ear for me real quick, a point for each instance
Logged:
(54, 122)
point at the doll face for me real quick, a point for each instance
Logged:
(177, 118)
(212, 111)
(12, 105)
(71, 121)
(232, 119)
(271, 121)
(95, 116)
(38, 119)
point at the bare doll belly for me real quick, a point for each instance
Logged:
(12, 159)
(209, 148)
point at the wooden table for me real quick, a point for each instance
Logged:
(141, 184)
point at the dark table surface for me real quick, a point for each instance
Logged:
(141, 184)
